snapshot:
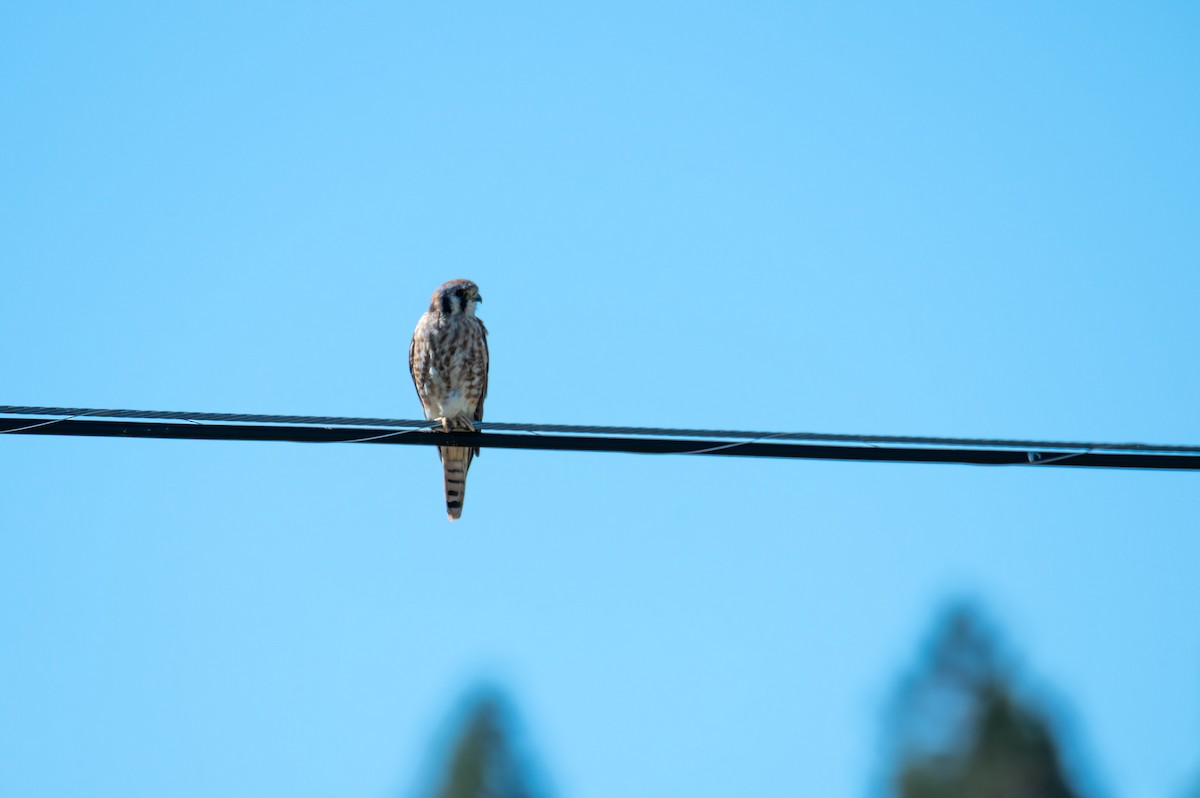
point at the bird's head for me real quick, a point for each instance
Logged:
(456, 296)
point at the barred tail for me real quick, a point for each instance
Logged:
(455, 462)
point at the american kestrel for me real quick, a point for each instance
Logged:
(448, 358)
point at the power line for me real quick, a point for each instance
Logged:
(91, 422)
(581, 429)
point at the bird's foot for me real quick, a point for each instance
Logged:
(455, 424)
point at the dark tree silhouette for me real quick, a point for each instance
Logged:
(484, 761)
(962, 730)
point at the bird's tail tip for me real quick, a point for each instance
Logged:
(456, 460)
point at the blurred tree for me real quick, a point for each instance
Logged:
(961, 730)
(484, 762)
(1194, 792)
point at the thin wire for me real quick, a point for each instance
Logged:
(712, 449)
(35, 426)
(250, 418)
(661, 432)
(1035, 458)
(380, 437)
(41, 424)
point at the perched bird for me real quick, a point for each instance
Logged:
(448, 358)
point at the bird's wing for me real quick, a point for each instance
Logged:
(483, 393)
(414, 367)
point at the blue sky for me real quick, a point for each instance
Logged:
(934, 218)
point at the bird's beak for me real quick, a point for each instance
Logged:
(478, 297)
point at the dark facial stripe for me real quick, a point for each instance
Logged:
(446, 304)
